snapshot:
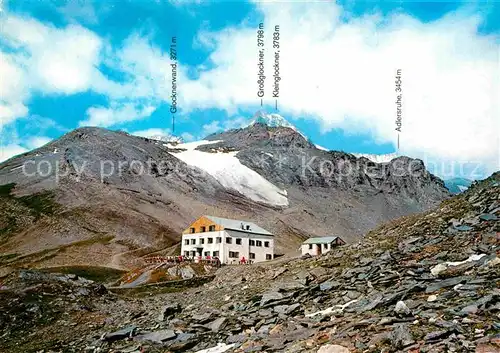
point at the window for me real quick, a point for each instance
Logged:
(238, 241)
(206, 253)
(269, 257)
(186, 253)
(234, 254)
(218, 240)
(266, 244)
(258, 243)
(210, 240)
(325, 246)
(193, 253)
(229, 240)
(202, 241)
(215, 254)
(191, 230)
(186, 242)
(211, 228)
(203, 229)
(310, 246)
(252, 242)
(193, 241)
(252, 256)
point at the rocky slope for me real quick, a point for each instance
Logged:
(422, 283)
(106, 198)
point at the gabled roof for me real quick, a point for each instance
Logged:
(235, 224)
(321, 240)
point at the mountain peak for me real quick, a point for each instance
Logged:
(271, 120)
(378, 158)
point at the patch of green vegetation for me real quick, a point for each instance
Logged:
(94, 273)
(101, 239)
(41, 203)
(9, 225)
(6, 189)
(6, 257)
(35, 205)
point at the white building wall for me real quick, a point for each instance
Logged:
(205, 247)
(317, 249)
(244, 249)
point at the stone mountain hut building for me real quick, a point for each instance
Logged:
(320, 245)
(230, 240)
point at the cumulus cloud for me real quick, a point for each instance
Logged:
(37, 141)
(218, 125)
(342, 74)
(116, 114)
(153, 132)
(79, 10)
(56, 60)
(43, 58)
(12, 90)
(13, 149)
(64, 61)
(186, 136)
(10, 151)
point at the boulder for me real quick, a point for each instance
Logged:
(402, 309)
(217, 324)
(157, 336)
(169, 311)
(120, 334)
(270, 297)
(333, 348)
(187, 272)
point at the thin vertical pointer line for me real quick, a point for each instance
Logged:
(261, 102)
(398, 142)
(276, 105)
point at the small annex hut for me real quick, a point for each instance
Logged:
(320, 245)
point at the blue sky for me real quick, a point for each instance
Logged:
(66, 64)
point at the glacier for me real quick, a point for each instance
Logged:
(227, 169)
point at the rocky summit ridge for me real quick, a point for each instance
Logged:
(271, 120)
(421, 283)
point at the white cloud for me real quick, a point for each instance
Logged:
(153, 132)
(186, 136)
(79, 10)
(43, 58)
(12, 90)
(342, 73)
(56, 60)
(146, 69)
(10, 151)
(18, 147)
(37, 141)
(66, 61)
(116, 114)
(216, 125)
(212, 127)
